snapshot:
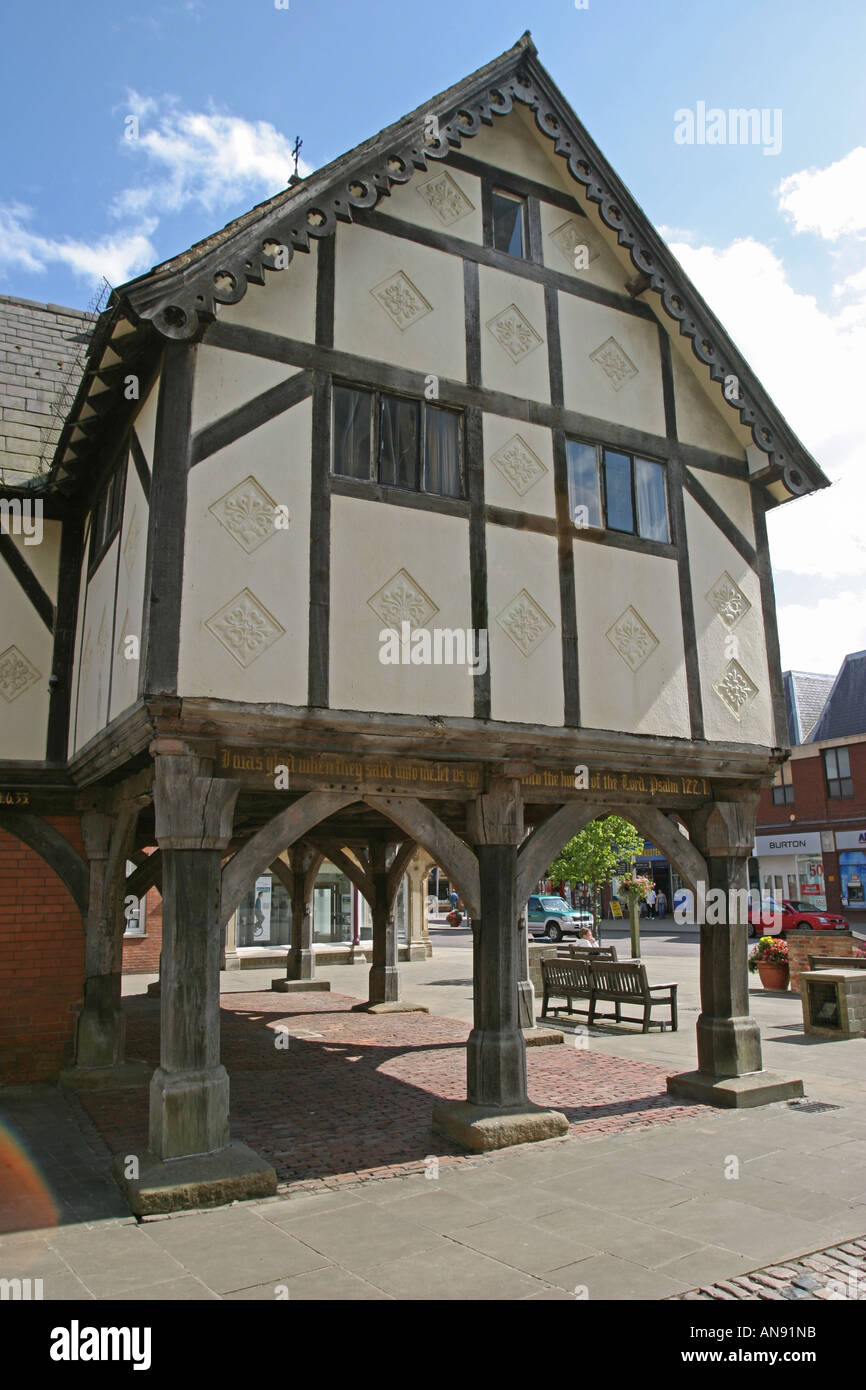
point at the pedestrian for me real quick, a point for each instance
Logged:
(661, 903)
(453, 899)
(651, 902)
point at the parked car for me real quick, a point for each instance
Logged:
(794, 914)
(551, 916)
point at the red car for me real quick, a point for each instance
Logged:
(794, 915)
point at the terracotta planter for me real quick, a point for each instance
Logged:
(773, 975)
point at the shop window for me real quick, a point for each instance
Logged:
(509, 223)
(837, 768)
(398, 442)
(619, 491)
(783, 789)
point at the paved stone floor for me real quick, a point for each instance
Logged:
(329, 1096)
(836, 1274)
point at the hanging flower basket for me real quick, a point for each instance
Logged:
(637, 884)
(770, 960)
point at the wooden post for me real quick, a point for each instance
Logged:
(634, 923)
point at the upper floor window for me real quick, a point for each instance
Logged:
(397, 441)
(106, 516)
(509, 223)
(621, 492)
(837, 769)
(783, 789)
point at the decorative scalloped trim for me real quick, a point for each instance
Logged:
(223, 276)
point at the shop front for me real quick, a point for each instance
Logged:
(851, 847)
(792, 866)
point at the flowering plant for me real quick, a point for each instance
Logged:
(770, 950)
(638, 884)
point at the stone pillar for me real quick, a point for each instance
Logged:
(730, 1067)
(417, 935)
(301, 964)
(230, 958)
(498, 1111)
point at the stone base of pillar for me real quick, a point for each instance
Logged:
(206, 1180)
(154, 989)
(189, 1112)
(357, 956)
(735, 1092)
(119, 1077)
(481, 1127)
(392, 1006)
(230, 961)
(541, 1037)
(284, 986)
(301, 965)
(416, 950)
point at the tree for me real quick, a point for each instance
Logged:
(603, 848)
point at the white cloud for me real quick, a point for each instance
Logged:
(212, 159)
(831, 201)
(817, 637)
(116, 257)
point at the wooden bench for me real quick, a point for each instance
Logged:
(571, 951)
(837, 962)
(565, 979)
(625, 982)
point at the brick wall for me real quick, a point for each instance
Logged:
(141, 953)
(42, 350)
(802, 944)
(41, 961)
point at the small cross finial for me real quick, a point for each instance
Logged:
(296, 150)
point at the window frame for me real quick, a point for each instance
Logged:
(839, 780)
(601, 476)
(111, 518)
(498, 190)
(783, 782)
(376, 394)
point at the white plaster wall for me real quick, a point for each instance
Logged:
(638, 402)
(95, 665)
(145, 423)
(434, 343)
(44, 558)
(524, 688)
(129, 601)
(410, 205)
(24, 717)
(710, 554)
(529, 376)
(510, 143)
(79, 633)
(225, 380)
(370, 543)
(700, 420)
(276, 573)
(604, 269)
(538, 500)
(654, 698)
(734, 498)
(285, 304)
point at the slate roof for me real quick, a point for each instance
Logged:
(42, 353)
(844, 713)
(805, 697)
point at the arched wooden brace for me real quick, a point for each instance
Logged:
(659, 828)
(266, 845)
(56, 851)
(284, 868)
(147, 875)
(398, 869)
(350, 867)
(443, 846)
(541, 847)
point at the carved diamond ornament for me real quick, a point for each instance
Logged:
(247, 512)
(402, 301)
(615, 363)
(402, 600)
(513, 331)
(17, 674)
(525, 622)
(447, 200)
(735, 689)
(245, 627)
(518, 464)
(631, 638)
(728, 600)
(572, 233)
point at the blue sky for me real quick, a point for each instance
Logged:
(777, 243)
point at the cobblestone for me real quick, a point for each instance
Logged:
(816, 1275)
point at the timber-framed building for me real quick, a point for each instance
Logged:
(451, 384)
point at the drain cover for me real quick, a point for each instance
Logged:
(812, 1107)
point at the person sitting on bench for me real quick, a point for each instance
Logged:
(586, 938)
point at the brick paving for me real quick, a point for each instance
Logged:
(331, 1097)
(835, 1274)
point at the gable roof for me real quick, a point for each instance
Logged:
(805, 697)
(844, 713)
(180, 296)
